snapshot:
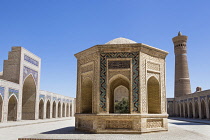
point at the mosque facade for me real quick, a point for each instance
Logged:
(20, 94)
(185, 103)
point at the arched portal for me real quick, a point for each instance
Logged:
(203, 109)
(48, 110)
(196, 110)
(153, 92)
(63, 111)
(190, 110)
(41, 109)
(28, 99)
(59, 109)
(182, 110)
(12, 109)
(178, 111)
(86, 97)
(119, 99)
(67, 110)
(1, 110)
(54, 110)
(186, 111)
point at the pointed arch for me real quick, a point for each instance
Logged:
(1, 108)
(119, 94)
(48, 109)
(209, 108)
(86, 96)
(182, 110)
(186, 110)
(190, 110)
(153, 93)
(67, 110)
(12, 109)
(59, 109)
(41, 109)
(178, 113)
(203, 109)
(63, 110)
(29, 98)
(196, 110)
(54, 110)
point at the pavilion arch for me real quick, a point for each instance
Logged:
(59, 109)
(190, 110)
(86, 96)
(41, 109)
(1, 108)
(154, 98)
(63, 110)
(12, 108)
(119, 88)
(54, 109)
(186, 110)
(29, 98)
(203, 109)
(67, 110)
(196, 110)
(48, 109)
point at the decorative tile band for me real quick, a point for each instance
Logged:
(202, 97)
(27, 71)
(135, 74)
(54, 98)
(195, 98)
(41, 96)
(2, 91)
(59, 99)
(48, 97)
(190, 99)
(119, 64)
(170, 101)
(13, 91)
(31, 60)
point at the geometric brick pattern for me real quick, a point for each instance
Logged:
(135, 76)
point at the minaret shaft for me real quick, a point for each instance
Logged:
(182, 79)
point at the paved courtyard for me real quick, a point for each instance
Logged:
(64, 129)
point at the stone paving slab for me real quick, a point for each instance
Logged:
(29, 122)
(178, 130)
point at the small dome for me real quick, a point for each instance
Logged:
(121, 40)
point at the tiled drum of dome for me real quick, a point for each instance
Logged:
(135, 74)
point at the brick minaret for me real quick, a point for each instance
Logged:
(182, 79)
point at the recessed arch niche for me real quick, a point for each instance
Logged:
(154, 99)
(29, 98)
(119, 95)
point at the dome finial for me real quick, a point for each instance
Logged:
(179, 33)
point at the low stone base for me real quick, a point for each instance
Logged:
(121, 123)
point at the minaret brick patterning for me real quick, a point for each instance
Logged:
(182, 79)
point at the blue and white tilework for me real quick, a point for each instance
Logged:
(2, 91)
(31, 60)
(27, 71)
(14, 92)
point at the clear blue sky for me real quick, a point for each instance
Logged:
(57, 29)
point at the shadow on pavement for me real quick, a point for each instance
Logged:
(65, 130)
(186, 123)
